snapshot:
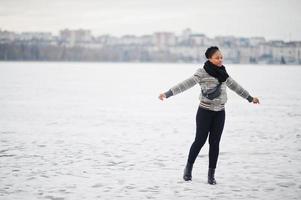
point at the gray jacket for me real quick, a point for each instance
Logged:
(208, 82)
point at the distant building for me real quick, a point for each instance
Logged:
(7, 36)
(226, 41)
(287, 53)
(131, 40)
(255, 41)
(159, 47)
(185, 34)
(148, 40)
(73, 37)
(247, 54)
(164, 39)
(28, 36)
(198, 40)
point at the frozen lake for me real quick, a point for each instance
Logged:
(99, 131)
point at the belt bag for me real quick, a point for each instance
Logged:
(212, 93)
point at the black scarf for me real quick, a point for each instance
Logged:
(218, 72)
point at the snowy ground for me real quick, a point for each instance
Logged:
(99, 131)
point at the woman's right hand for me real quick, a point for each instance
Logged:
(162, 96)
(255, 100)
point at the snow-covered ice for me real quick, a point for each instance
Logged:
(99, 131)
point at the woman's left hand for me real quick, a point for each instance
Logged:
(255, 100)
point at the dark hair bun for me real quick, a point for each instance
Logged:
(210, 51)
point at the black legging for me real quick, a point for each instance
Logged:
(207, 121)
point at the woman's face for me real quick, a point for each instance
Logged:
(217, 58)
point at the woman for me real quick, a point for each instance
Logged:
(213, 79)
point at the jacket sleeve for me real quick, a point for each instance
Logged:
(185, 85)
(233, 85)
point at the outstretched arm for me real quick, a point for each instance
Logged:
(182, 86)
(233, 85)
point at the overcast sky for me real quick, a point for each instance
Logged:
(272, 19)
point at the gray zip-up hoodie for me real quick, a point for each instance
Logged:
(208, 82)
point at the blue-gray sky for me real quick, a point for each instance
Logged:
(272, 19)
